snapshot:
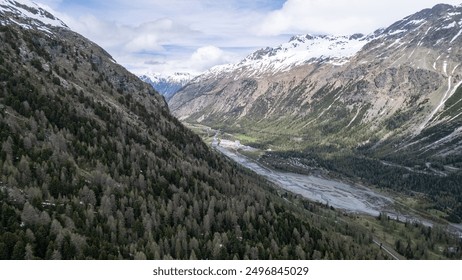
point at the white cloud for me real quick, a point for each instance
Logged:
(208, 56)
(177, 36)
(338, 16)
(49, 3)
(199, 61)
(192, 35)
(150, 36)
(144, 42)
(146, 37)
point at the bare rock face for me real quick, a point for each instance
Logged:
(394, 86)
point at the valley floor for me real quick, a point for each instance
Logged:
(387, 215)
(343, 196)
(339, 194)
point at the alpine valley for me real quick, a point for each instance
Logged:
(383, 109)
(94, 166)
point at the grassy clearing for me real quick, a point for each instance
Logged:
(245, 138)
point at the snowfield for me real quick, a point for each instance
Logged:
(301, 49)
(30, 10)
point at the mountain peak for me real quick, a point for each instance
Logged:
(28, 15)
(408, 73)
(167, 85)
(439, 26)
(299, 50)
(443, 7)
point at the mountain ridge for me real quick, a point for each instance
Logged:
(397, 38)
(396, 100)
(31, 11)
(167, 85)
(299, 50)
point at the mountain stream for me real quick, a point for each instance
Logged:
(340, 195)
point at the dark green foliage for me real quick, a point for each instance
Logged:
(37, 64)
(89, 172)
(453, 100)
(56, 81)
(397, 120)
(417, 241)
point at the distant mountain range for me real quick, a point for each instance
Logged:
(391, 99)
(300, 50)
(167, 85)
(405, 76)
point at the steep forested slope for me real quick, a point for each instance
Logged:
(92, 165)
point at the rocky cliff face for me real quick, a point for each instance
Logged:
(396, 87)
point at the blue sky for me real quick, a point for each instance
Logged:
(169, 36)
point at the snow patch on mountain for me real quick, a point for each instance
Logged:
(301, 49)
(167, 85)
(175, 77)
(30, 14)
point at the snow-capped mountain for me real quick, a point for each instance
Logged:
(401, 82)
(167, 85)
(338, 50)
(29, 14)
(300, 50)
